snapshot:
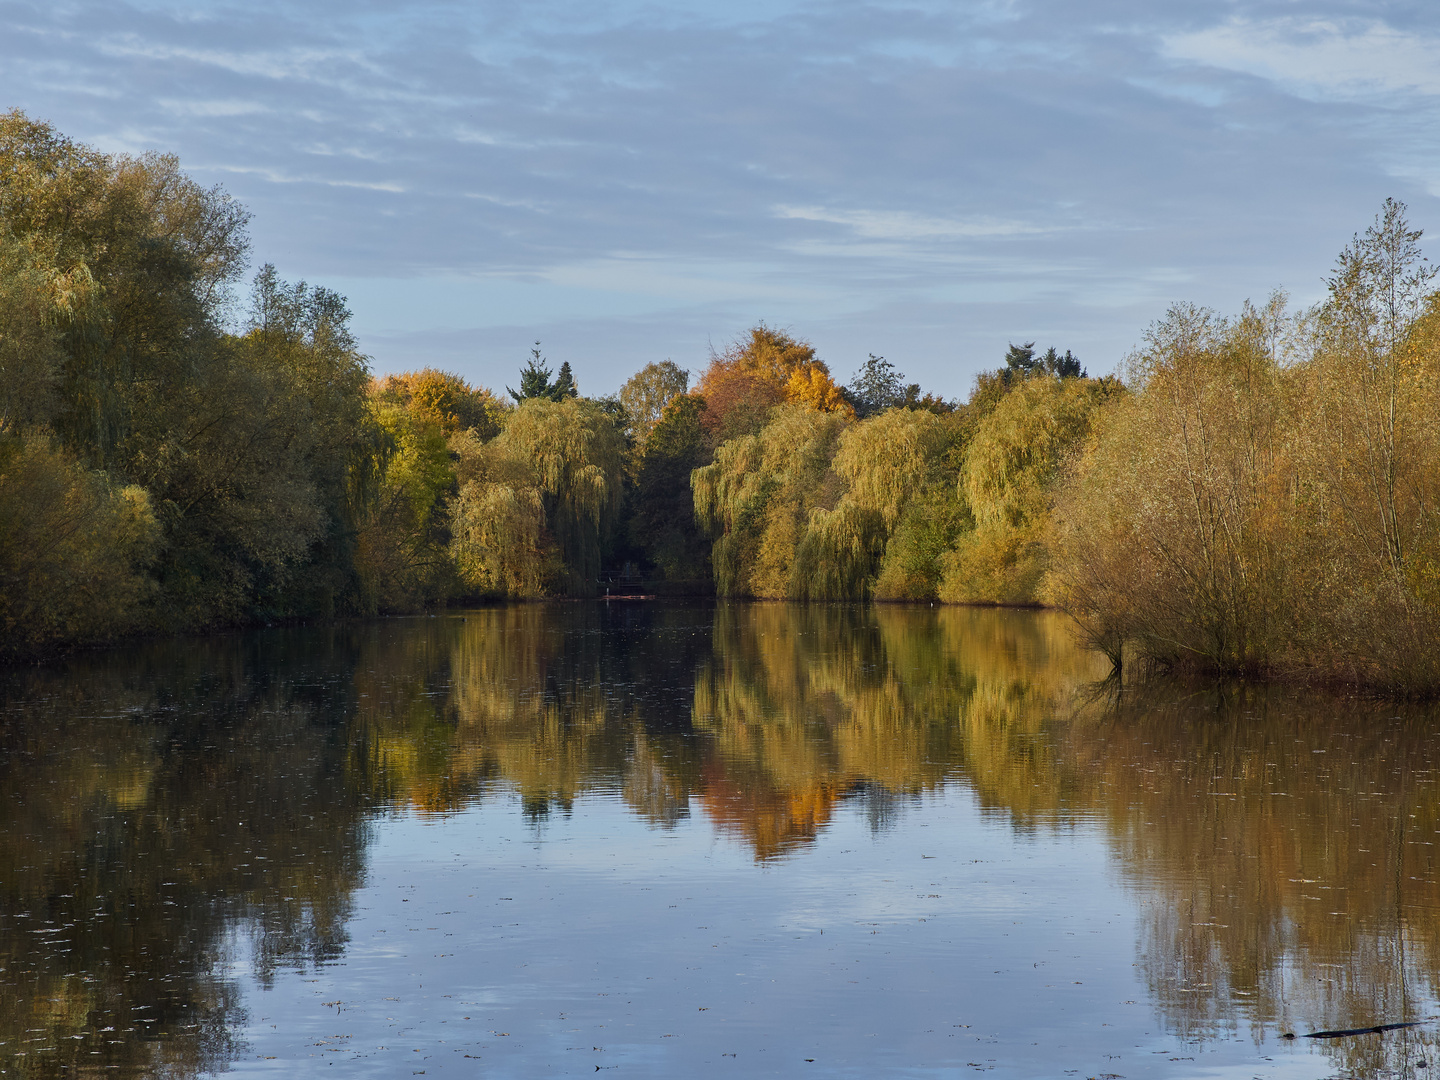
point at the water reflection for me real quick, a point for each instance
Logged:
(156, 802)
(167, 805)
(1289, 843)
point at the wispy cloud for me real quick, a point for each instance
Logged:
(1319, 57)
(903, 225)
(984, 168)
(288, 63)
(194, 107)
(276, 176)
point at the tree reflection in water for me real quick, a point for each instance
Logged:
(1286, 843)
(171, 808)
(158, 801)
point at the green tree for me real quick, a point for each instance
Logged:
(755, 499)
(556, 472)
(884, 463)
(662, 523)
(877, 386)
(564, 384)
(74, 549)
(31, 357)
(1022, 363)
(648, 392)
(140, 259)
(1013, 462)
(1062, 367)
(402, 560)
(251, 462)
(534, 379)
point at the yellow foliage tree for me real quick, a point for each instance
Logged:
(812, 385)
(1013, 461)
(402, 559)
(567, 458)
(1270, 498)
(756, 498)
(767, 368)
(446, 400)
(1167, 536)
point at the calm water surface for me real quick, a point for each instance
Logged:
(734, 841)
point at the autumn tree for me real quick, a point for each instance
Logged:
(119, 278)
(646, 394)
(538, 503)
(1014, 459)
(885, 465)
(755, 499)
(445, 399)
(756, 373)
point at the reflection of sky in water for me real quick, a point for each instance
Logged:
(941, 941)
(542, 840)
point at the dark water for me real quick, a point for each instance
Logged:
(663, 841)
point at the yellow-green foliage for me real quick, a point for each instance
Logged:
(115, 274)
(30, 355)
(1011, 466)
(401, 556)
(890, 466)
(446, 400)
(885, 460)
(646, 394)
(565, 458)
(757, 495)
(146, 257)
(815, 507)
(500, 544)
(73, 549)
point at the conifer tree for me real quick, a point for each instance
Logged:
(564, 386)
(534, 379)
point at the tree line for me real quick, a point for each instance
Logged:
(182, 449)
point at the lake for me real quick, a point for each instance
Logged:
(733, 840)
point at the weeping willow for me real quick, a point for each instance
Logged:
(756, 498)
(886, 464)
(904, 505)
(537, 503)
(1011, 467)
(500, 544)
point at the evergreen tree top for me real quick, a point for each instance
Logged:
(535, 380)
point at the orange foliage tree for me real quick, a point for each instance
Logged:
(766, 368)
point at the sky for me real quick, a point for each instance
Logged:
(627, 182)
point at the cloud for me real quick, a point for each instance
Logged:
(193, 107)
(1340, 58)
(276, 176)
(693, 166)
(903, 225)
